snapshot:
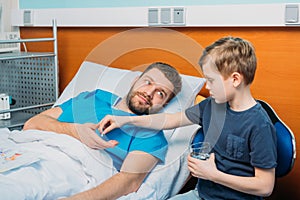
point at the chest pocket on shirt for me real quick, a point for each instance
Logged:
(235, 146)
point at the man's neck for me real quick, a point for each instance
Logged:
(122, 105)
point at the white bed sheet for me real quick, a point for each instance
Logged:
(63, 166)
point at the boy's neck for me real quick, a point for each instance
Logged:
(243, 100)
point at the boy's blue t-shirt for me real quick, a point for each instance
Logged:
(247, 140)
(91, 107)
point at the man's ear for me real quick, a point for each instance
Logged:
(237, 79)
(172, 95)
(165, 104)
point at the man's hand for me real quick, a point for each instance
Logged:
(110, 122)
(87, 135)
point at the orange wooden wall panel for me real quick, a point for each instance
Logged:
(277, 79)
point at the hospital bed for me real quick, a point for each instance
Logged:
(46, 165)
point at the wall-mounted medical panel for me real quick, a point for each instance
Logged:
(238, 15)
(166, 16)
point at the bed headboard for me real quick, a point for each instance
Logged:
(119, 51)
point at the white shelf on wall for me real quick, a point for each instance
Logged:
(195, 16)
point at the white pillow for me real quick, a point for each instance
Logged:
(93, 76)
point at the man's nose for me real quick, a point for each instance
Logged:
(150, 91)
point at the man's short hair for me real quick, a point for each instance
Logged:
(170, 73)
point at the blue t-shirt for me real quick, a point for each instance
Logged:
(91, 107)
(247, 140)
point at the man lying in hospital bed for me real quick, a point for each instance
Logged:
(65, 177)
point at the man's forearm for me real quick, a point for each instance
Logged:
(118, 185)
(48, 123)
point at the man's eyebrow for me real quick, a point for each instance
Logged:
(152, 80)
(147, 76)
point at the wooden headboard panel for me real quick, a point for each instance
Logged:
(277, 79)
(142, 46)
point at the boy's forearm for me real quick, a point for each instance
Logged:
(260, 185)
(155, 121)
(161, 121)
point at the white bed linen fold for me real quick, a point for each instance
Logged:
(66, 167)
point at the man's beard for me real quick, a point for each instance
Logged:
(135, 107)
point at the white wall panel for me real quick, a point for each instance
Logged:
(204, 15)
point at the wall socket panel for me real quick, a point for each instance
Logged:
(28, 17)
(166, 16)
(9, 47)
(292, 14)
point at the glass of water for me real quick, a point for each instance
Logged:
(200, 150)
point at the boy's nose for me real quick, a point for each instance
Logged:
(207, 86)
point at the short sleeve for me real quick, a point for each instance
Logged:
(261, 156)
(155, 145)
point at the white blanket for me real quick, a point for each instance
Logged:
(63, 166)
(58, 165)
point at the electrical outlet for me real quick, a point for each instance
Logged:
(12, 36)
(165, 15)
(9, 47)
(153, 16)
(28, 17)
(291, 13)
(179, 16)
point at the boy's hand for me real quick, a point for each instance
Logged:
(87, 135)
(204, 169)
(110, 122)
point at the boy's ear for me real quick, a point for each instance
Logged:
(237, 79)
